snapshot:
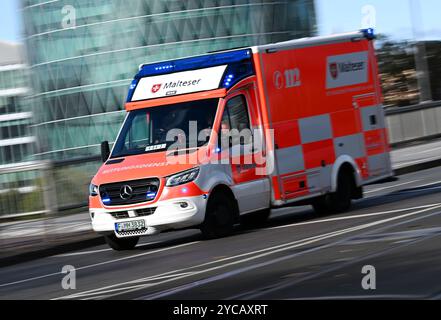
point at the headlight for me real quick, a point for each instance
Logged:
(93, 190)
(182, 178)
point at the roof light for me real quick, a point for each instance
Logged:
(200, 62)
(369, 33)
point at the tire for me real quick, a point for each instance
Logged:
(121, 244)
(219, 216)
(339, 201)
(255, 219)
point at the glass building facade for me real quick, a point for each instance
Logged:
(84, 53)
(16, 139)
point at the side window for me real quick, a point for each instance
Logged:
(237, 108)
(236, 119)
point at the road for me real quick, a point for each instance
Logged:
(297, 255)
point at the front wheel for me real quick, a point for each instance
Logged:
(121, 244)
(219, 216)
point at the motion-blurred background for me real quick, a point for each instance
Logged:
(65, 68)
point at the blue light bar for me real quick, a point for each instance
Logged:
(369, 33)
(186, 64)
(106, 200)
(132, 90)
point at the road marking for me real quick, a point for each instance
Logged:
(98, 251)
(267, 263)
(266, 252)
(366, 215)
(99, 264)
(255, 293)
(390, 187)
(428, 184)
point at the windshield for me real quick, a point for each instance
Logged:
(146, 130)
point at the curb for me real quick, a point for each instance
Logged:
(418, 167)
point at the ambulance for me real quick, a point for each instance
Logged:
(315, 134)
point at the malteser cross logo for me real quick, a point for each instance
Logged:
(333, 69)
(156, 88)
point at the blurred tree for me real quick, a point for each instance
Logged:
(397, 71)
(396, 63)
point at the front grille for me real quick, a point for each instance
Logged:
(145, 212)
(120, 214)
(139, 213)
(144, 190)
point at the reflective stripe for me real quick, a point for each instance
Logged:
(290, 160)
(315, 128)
(352, 145)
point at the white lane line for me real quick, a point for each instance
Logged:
(256, 293)
(181, 275)
(427, 187)
(179, 272)
(428, 184)
(99, 264)
(281, 259)
(266, 252)
(366, 215)
(98, 251)
(390, 187)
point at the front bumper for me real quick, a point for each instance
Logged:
(168, 215)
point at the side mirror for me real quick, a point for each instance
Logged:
(105, 151)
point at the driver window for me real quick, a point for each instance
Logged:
(238, 120)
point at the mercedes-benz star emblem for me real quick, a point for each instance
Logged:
(126, 192)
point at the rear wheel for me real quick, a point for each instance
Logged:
(121, 244)
(255, 219)
(219, 217)
(341, 199)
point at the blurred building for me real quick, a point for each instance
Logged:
(84, 53)
(16, 139)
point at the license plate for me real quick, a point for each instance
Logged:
(130, 226)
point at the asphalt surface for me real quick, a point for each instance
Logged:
(296, 255)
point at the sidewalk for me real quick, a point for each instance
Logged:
(26, 240)
(414, 156)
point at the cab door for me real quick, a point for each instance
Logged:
(238, 136)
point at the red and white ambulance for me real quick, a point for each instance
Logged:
(315, 134)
